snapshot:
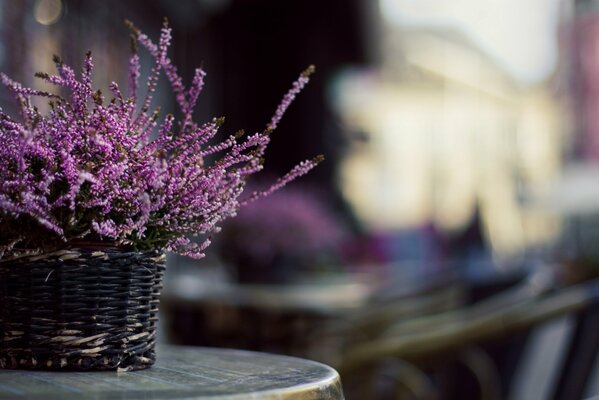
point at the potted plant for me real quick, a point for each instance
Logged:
(93, 192)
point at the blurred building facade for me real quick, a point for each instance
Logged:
(441, 130)
(579, 38)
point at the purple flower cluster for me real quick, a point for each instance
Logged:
(109, 169)
(294, 222)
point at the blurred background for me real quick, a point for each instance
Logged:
(448, 247)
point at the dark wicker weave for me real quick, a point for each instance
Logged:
(80, 310)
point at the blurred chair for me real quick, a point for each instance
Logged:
(431, 348)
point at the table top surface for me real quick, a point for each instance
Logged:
(185, 373)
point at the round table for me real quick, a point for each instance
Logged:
(185, 373)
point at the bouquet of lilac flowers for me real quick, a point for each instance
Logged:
(100, 170)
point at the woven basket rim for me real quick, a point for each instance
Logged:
(79, 250)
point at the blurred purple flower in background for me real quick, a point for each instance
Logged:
(292, 228)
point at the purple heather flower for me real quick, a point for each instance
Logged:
(111, 170)
(293, 222)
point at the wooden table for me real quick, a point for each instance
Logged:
(185, 372)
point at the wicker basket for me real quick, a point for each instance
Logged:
(80, 309)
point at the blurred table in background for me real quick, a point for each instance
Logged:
(272, 318)
(331, 296)
(185, 373)
(289, 318)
